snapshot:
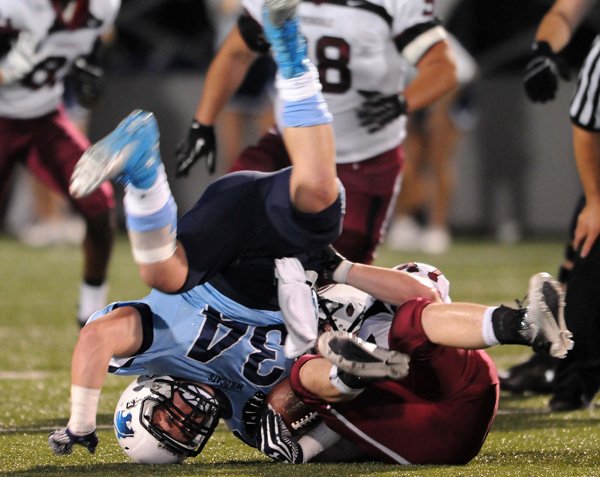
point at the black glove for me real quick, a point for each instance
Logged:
(275, 440)
(253, 411)
(380, 109)
(542, 73)
(200, 143)
(61, 441)
(325, 262)
(88, 82)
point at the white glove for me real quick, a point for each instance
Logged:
(298, 306)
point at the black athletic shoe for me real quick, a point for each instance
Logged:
(535, 375)
(569, 402)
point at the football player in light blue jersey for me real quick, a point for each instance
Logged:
(222, 331)
(237, 351)
(201, 337)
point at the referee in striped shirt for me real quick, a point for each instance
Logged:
(577, 377)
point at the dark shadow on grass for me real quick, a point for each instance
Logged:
(224, 469)
(544, 420)
(565, 457)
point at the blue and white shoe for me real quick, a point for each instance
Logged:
(129, 154)
(282, 29)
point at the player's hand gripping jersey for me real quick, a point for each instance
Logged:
(44, 44)
(361, 46)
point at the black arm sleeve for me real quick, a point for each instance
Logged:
(252, 33)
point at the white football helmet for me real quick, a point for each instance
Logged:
(161, 420)
(343, 307)
(430, 276)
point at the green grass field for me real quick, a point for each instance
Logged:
(38, 331)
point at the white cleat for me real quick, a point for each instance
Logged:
(281, 10)
(129, 154)
(360, 358)
(545, 316)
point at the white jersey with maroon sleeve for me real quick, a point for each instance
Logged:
(360, 45)
(45, 45)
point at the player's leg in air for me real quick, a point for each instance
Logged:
(540, 325)
(130, 155)
(307, 133)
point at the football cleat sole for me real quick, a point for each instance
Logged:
(546, 310)
(360, 358)
(281, 10)
(108, 158)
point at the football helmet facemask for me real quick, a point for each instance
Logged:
(161, 420)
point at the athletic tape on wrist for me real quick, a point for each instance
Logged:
(84, 406)
(340, 275)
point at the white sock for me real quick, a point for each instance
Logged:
(487, 328)
(300, 87)
(151, 220)
(342, 387)
(91, 299)
(145, 202)
(316, 441)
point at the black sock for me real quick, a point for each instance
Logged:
(355, 382)
(509, 325)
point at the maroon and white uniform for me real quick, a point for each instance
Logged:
(440, 413)
(360, 45)
(34, 129)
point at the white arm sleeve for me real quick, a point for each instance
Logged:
(414, 51)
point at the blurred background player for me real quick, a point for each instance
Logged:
(44, 42)
(362, 52)
(249, 113)
(36, 214)
(421, 220)
(577, 379)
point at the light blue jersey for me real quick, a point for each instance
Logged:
(203, 336)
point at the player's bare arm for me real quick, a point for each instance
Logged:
(436, 76)
(224, 76)
(389, 285)
(117, 334)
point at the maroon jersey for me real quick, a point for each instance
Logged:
(440, 413)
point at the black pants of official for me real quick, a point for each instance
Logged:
(578, 375)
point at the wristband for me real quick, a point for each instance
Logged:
(340, 275)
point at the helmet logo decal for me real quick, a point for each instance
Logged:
(123, 424)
